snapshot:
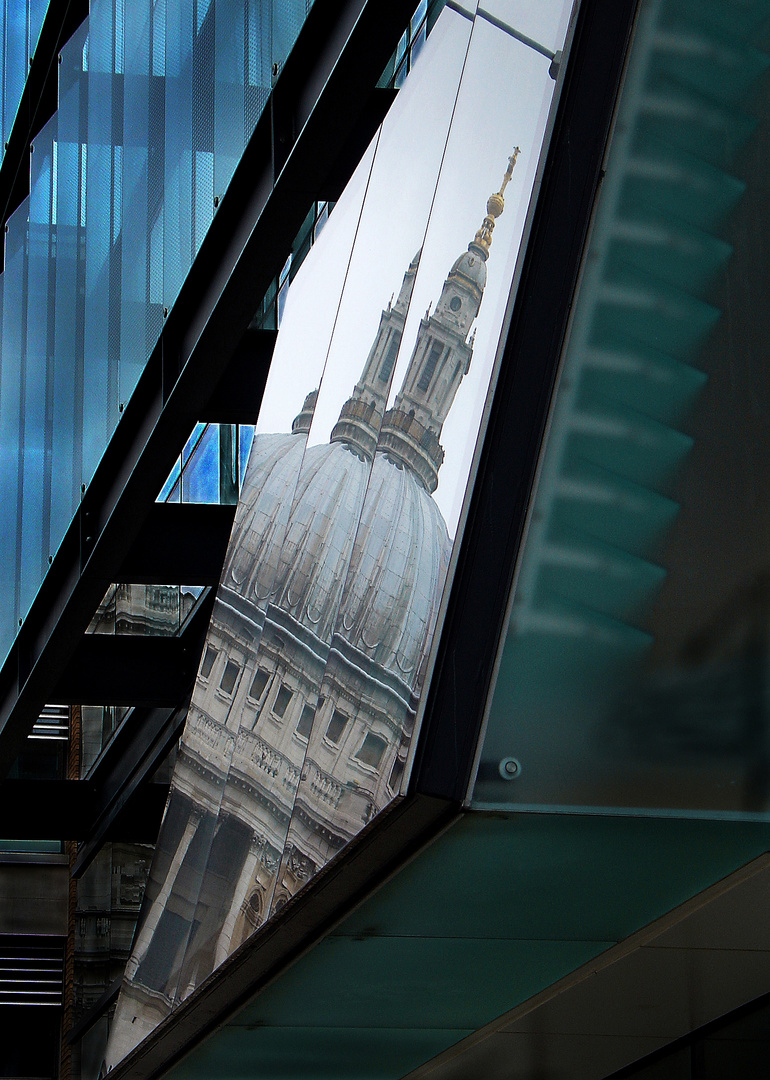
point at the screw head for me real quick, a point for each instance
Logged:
(509, 768)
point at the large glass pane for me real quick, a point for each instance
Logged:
(104, 185)
(67, 414)
(180, 148)
(38, 383)
(307, 587)
(11, 415)
(633, 676)
(359, 748)
(143, 176)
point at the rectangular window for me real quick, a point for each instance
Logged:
(386, 368)
(258, 684)
(230, 675)
(429, 366)
(395, 774)
(337, 725)
(305, 725)
(208, 662)
(372, 750)
(282, 699)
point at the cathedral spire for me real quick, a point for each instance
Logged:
(361, 415)
(411, 430)
(495, 206)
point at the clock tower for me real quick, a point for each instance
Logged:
(411, 430)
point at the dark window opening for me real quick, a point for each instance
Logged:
(395, 774)
(208, 662)
(305, 725)
(337, 725)
(258, 684)
(228, 679)
(429, 366)
(386, 368)
(372, 750)
(282, 699)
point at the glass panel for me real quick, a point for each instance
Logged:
(336, 467)
(287, 19)
(67, 428)
(380, 653)
(38, 383)
(143, 177)
(633, 670)
(104, 185)
(11, 414)
(179, 147)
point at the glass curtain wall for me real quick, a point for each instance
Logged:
(156, 105)
(634, 675)
(308, 696)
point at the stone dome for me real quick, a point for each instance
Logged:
(320, 536)
(263, 514)
(397, 553)
(397, 571)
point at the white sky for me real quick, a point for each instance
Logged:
(419, 187)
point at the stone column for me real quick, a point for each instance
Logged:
(239, 895)
(153, 918)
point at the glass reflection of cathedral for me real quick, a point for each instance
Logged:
(305, 702)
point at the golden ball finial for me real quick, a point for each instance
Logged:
(495, 207)
(495, 204)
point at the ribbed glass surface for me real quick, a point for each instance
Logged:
(634, 674)
(20, 25)
(156, 104)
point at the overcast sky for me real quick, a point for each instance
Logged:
(424, 181)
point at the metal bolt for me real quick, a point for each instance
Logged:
(509, 768)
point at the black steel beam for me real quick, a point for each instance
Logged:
(125, 670)
(66, 810)
(320, 100)
(39, 100)
(179, 543)
(236, 398)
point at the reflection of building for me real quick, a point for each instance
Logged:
(304, 708)
(555, 941)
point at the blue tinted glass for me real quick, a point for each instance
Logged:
(66, 424)
(38, 383)
(16, 61)
(11, 429)
(287, 20)
(179, 148)
(245, 439)
(102, 254)
(141, 314)
(200, 479)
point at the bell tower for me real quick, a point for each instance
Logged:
(361, 415)
(411, 430)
